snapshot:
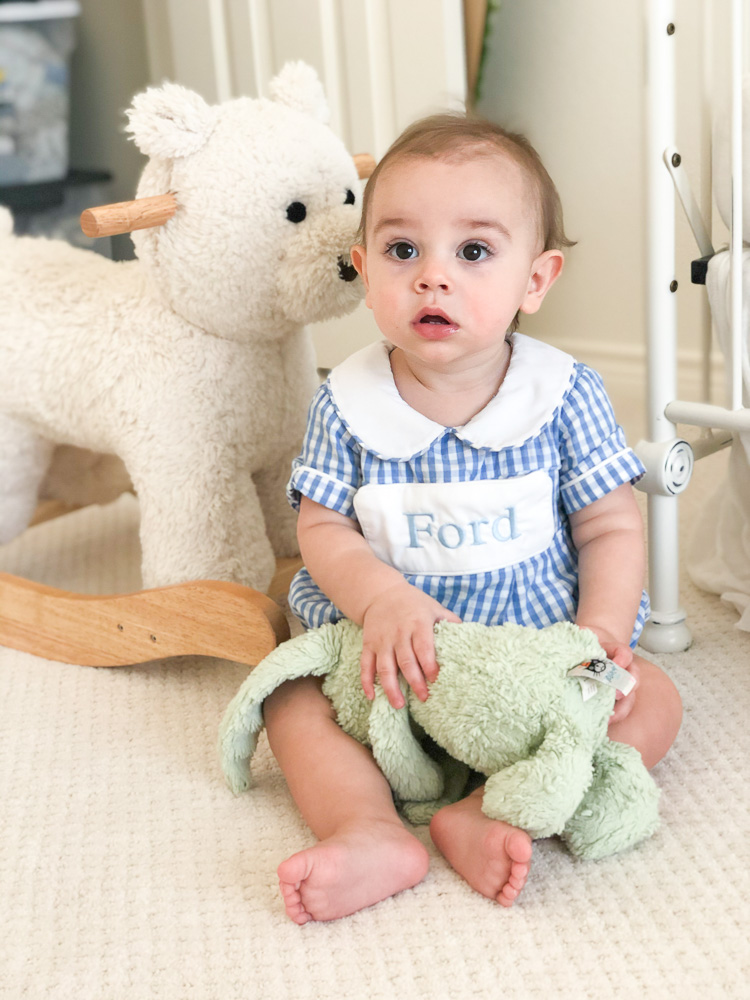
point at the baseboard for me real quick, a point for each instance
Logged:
(626, 366)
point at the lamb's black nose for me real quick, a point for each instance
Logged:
(347, 272)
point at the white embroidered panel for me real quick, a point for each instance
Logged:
(451, 528)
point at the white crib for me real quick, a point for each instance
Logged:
(668, 458)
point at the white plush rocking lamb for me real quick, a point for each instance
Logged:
(191, 364)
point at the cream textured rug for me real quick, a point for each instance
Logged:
(129, 872)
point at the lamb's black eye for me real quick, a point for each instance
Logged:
(296, 212)
(350, 199)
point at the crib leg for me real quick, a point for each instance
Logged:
(666, 630)
(668, 460)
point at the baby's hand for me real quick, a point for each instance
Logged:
(398, 637)
(622, 655)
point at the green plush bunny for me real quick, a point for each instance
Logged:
(503, 704)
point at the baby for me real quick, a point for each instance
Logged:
(455, 471)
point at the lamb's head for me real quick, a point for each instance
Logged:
(268, 203)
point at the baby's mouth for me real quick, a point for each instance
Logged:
(433, 317)
(433, 324)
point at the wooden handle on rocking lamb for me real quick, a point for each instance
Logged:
(365, 164)
(127, 216)
(147, 213)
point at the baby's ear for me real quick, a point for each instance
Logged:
(298, 86)
(547, 269)
(170, 121)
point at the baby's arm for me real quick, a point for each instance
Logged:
(608, 534)
(397, 618)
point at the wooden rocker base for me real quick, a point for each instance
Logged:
(203, 618)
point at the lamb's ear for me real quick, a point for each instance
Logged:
(170, 121)
(298, 86)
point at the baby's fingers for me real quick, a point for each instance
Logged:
(424, 651)
(624, 702)
(367, 670)
(387, 671)
(449, 616)
(623, 708)
(383, 665)
(411, 668)
(621, 654)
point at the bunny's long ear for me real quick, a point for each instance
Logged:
(170, 121)
(298, 86)
(312, 654)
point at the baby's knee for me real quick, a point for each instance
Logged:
(672, 706)
(657, 689)
(294, 701)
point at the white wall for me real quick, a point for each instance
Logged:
(109, 65)
(570, 74)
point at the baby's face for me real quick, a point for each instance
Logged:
(453, 252)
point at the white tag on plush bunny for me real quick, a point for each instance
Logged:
(602, 672)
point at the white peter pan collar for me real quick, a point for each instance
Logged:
(368, 401)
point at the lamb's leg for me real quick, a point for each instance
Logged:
(280, 518)
(24, 457)
(201, 526)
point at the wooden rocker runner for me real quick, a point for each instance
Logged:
(203, 617)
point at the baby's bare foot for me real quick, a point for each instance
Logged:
(492, 856)
(354, 868)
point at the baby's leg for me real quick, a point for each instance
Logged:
(365, 852)
(652, 723)
(492, 856)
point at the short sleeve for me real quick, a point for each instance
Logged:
(327, 470)
(595, 458)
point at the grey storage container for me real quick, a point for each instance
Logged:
(36, 42)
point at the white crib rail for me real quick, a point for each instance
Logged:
(382, 62)
(668, 459)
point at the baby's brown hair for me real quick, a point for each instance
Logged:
(457, 136)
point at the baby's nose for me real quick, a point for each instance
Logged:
(432, 275)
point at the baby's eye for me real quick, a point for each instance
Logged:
(401, 250)
(474, 251)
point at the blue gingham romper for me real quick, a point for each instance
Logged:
(476, 516)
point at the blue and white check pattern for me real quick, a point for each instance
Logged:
(583, 449)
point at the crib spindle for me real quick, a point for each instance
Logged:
(737, 196)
